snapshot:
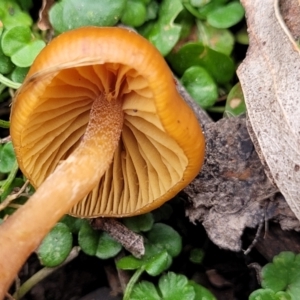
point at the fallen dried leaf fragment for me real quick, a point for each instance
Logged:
(270, 79)
(44, 22)
(229, 193)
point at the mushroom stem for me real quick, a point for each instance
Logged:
(73, 179)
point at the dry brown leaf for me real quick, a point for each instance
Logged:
(270, 78)
(43, 23)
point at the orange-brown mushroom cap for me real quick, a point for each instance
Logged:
(161, 148)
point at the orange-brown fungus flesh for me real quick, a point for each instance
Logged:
(149, 144)
(161, 146)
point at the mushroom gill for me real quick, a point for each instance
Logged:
(99, 115)
(147, 162)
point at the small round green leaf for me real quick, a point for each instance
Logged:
(11, 15)
(235, 103)
(187, 56)
(220, 40)
(283, 274)
(145, 290)
(267, 294)
(96, 243)
(139, 223)
(152, 10)
(88, 239)
(146, 2)
(15, 39)
(175, 287)
(219, 65)
(19, 44)
(70, 14)
(164, 33)
(25, 56)
(171, 287)
(204, 10)
(19, 74)
(129, 263)
(196, 255)
(187, 22)
(165, 237)
(201, 292)
(73, 223)
(242, 36)
(227, 15)
(6, 65)
(25, 4)
(155, 260)
(199, 3)
(107, 246)
(158, 263)
(56, 246)
(192, 10)
(135, 13)
(201, 86)
(7, 158)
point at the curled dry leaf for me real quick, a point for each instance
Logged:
(43, 22)
(270, 78)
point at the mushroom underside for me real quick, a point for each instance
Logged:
(147, 162)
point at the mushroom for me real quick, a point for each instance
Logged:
(99, 129)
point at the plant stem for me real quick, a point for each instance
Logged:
(216, 109)
(43, 273)
(5, 140)
(133, 280)
(2, 87)
(4, 124)
(9, 83)
(72, 180)
(10, 177)
(7, 201)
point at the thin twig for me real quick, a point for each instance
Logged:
(113, 280)
(9, 296)
(266, 221)
(9, 83)
(4, 124)
(43, 273)
(257, 269)
(12, 197)
(11, 176)
(130, 240)
(15, 205)
(255, 240)
(5, 140)
(133, 280)
(123, 275)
